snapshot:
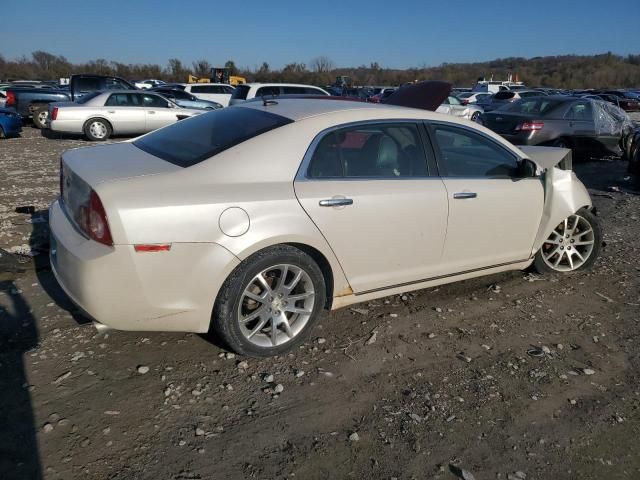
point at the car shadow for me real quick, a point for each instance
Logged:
(19, 456)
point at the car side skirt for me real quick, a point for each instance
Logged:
(343, 301)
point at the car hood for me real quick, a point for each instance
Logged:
(548, 157)
(118, 161)
(427, 95)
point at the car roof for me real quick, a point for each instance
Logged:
(204, 84)
(278, 84)
(300, 108)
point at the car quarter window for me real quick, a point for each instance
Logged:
(389, 150)
(467, 154)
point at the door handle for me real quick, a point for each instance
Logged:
(463, 195)
(150, 111)
(111, 111)
(336, 202)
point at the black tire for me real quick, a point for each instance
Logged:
(40, 115)
(225, 324)
(476, 117)
(89, 127)
(542, 267)
(561, 143)
(2, 135)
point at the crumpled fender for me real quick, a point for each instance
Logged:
(564, 195)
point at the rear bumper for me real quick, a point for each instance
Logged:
(126, 290)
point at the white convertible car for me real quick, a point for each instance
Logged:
(99, 115)
(252, 220)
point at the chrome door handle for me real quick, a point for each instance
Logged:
(336, 202)
(111, 111)
(463, 195)
(150, 111)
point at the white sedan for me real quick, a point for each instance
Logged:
(99, 115)
(252, 220)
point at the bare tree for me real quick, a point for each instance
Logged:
(201, 68)
(322, 64)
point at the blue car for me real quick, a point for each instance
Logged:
(185, 99)
(10, 123)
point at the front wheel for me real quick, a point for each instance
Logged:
(270, 302)
(573, 245)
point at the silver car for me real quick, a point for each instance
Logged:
(252, 220)
(99, 115)
(453, 106)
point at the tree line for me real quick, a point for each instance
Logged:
(568, 71)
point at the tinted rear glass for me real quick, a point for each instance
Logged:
(87, 97)
(535, 106)
(240, 93)
(191, 141)
(504, 95)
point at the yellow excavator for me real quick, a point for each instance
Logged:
(218, 75)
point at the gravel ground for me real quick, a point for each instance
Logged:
(409, 387)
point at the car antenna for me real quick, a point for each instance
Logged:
(266, 102)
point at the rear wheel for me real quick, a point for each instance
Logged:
(561, 143)
(476, 117)
(97, 129)
(573, 245)
(270, 302)
(40, 115)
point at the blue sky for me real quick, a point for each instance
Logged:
(394, 34)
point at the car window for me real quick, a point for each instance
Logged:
(154, 101)
(228, 90)
(454, 101)
(118, 100)
(203, 89)
(87, 84)
(370, 151)
(263, 91)
(115, 84)
(536, 106)
(467, 154)
(87, 97)
(580, 111)
(240, 92)
(191, 141)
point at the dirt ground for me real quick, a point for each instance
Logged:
(446, 381)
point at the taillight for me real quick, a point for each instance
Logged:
(54, 113)
(92, 219)
(530, 126)
(465, 102)
(11, 99)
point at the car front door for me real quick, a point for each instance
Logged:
(494, 214)
(125, 113)
(368, 190)
(157, 111)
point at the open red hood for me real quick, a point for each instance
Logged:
(427, 95)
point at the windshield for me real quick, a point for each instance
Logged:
(191, 141)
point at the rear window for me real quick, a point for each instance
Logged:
(504, 95)
(87, 97)
(536, 106)
(240, 93)
(191, 141)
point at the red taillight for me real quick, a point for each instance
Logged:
(93, 220)
(465, 102)
(530, 126)
(54, 113)
(11, 99)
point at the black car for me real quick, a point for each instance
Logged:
(589, 127)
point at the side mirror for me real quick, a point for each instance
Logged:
(527, 168)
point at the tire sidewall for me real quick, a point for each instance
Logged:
(224, 322)
(88, 134)
(36, 117)
(541, 266)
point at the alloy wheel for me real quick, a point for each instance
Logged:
(42, 117)
(276, 305)
(570, 244)
(98, 129)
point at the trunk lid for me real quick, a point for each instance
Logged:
(504, 122)
(427, 95)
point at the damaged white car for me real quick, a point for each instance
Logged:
(252, 220)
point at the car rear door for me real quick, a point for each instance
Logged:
(494, 214)
(368, 190)
(125, 113)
